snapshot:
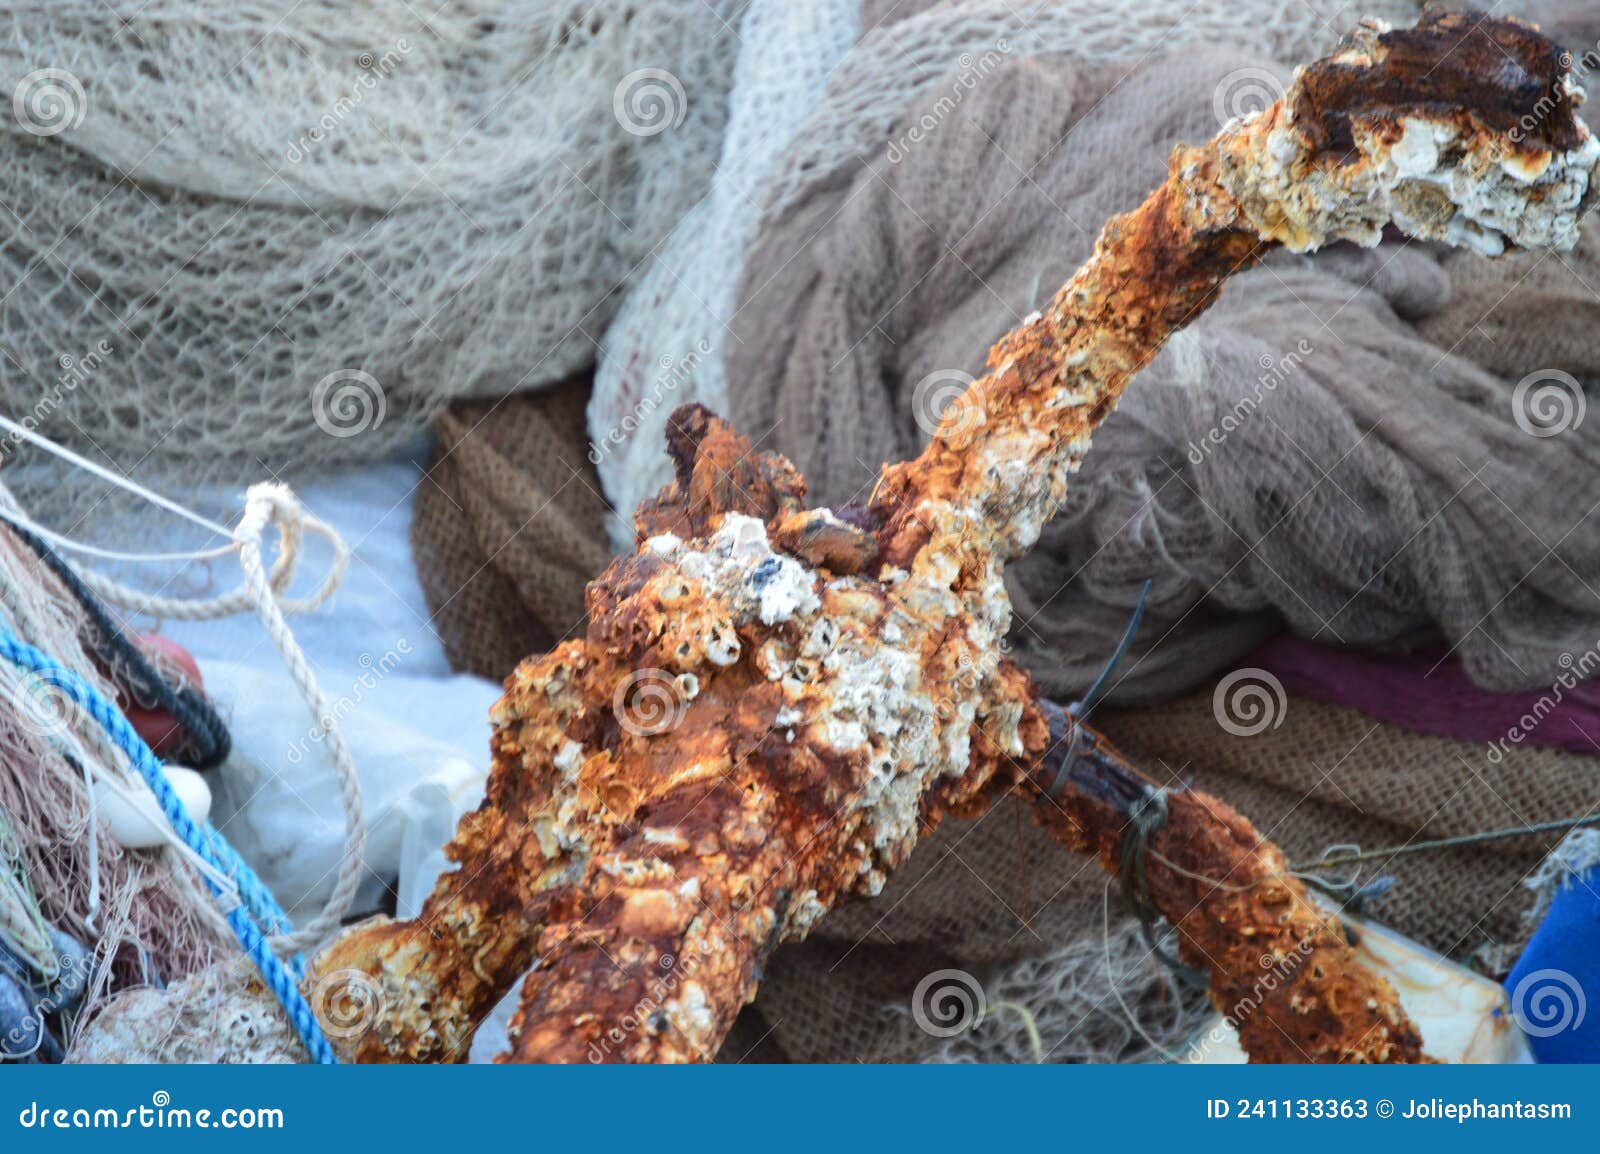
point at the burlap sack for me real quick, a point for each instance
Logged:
(509, 527)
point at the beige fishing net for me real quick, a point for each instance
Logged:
(1302, 454)
(302, 226)
(144, 916)
(909, 55)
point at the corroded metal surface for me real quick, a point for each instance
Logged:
(772, 703)
(1281, 966)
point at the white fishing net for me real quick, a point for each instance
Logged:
(295, 221)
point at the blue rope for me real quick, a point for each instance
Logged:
(258, 907)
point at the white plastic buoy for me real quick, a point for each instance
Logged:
(134, 816)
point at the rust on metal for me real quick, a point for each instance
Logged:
(772, 703)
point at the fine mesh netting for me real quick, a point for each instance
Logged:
(477, 201)
(240, 200)
(144, 916)
(794, 148)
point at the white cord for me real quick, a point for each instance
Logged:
(23, 521)
(265, 592)
(105, 474)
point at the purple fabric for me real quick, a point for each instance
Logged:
(1429, 693)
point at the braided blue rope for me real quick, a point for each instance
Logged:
(258, 905)
(253, 892)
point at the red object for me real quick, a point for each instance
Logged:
(158, 728)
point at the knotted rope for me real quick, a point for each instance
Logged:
(265, 591)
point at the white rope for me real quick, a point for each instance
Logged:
(264, 592)
(264, 505)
